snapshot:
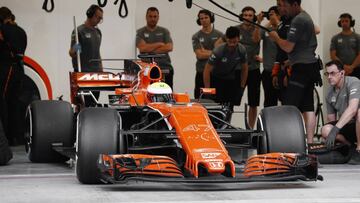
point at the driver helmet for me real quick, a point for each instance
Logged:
(159, 92)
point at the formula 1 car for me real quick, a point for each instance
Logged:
(141, 134)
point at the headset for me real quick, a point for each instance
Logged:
(248, 8)
(208, 13)
(346, 15)
(91, 10)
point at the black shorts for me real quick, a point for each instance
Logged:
(348, 130)
(300, 88)
(253, 84)
(227, 91)
(271, 95)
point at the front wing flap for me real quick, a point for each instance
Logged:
(259, 168)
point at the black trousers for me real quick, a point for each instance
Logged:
(270, 93)
(11, 81)
(199, 83)
(5, 151)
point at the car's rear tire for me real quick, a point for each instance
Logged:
(283, 129)
(98, 133)
(48, 122)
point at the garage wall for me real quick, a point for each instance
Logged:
(49, 33)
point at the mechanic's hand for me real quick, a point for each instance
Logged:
(76, 47)
(260, 17)
(274, 36)
(275, 82)
(330, 140)
(258, 58)
(286, 81)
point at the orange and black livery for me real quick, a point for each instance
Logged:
(171, 138)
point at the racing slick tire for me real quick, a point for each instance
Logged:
(283, 129)
(48, 122)
(98, 133)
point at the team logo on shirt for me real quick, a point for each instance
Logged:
(224, 59)
(146, 35)
(159, 34)
(292, 30)
(88, 35)
(201, 39)
(340, 40)
(333, 99)
(353, 91)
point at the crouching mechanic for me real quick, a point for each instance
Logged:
(342, 99)
(228, 68)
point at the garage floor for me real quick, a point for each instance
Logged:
(22, 181)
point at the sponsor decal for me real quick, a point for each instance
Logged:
(216, 165)
(99, 76)
(211, 155)
(191, 127)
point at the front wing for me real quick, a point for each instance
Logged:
(259, 168)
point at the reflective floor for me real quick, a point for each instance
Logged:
(23, 181)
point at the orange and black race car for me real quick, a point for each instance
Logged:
(147, 132)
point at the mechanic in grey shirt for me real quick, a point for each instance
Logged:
(89, 47)
(345, 46)
(228, 68)
(157, 40)
(89, 42)
(203, 42)
(271, 94)
(300, 45)
(250, 38)
(342, 104)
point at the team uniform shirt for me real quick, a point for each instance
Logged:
(160, 34)
(269, 51)
(347, 47)
(90, 41)
(252, 48)
(302, 33)
(282, 31)
(206, 41)
(337, 102)
(226, 62)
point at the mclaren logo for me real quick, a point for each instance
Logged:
(99, 76)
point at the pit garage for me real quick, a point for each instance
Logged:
(130, 148)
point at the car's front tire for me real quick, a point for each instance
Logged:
(98, 133)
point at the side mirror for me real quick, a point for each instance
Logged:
(207, 91)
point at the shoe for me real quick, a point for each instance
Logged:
(355, 158)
